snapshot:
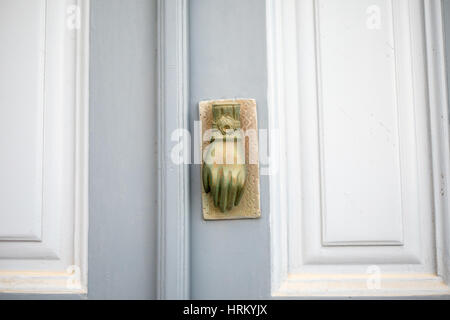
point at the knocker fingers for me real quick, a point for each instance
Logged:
(240, 187)
(232, 195)
(224, 190)
(217, 178)
(206, 178)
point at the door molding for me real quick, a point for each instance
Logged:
(439, 124)
(280, 111)
(173, 179)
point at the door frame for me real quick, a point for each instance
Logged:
(173, 179)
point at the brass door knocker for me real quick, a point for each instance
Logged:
(224, 169)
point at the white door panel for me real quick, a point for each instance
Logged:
(43, 132)
(368, 208)
(362, 189)
(354, 123)
(22, 34)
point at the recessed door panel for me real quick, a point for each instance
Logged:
(361, 176)
(358, 180)
(22, 35)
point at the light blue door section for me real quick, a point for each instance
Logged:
(229, 259)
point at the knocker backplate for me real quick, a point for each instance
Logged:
(249, 207)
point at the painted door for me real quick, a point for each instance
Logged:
(352, 107)
(352, 96)
(78, 102)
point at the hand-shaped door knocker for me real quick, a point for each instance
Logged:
(224, 170)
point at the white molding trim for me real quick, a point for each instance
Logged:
(173, 179)
(439, 123)
(66, 142)
(283, 282)
(81, 201)
(278, 188)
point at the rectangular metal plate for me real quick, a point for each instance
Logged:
(249, 207)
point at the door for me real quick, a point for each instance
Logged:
(352, 95)
(101, 189)
(78, 122)
(43, 216)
